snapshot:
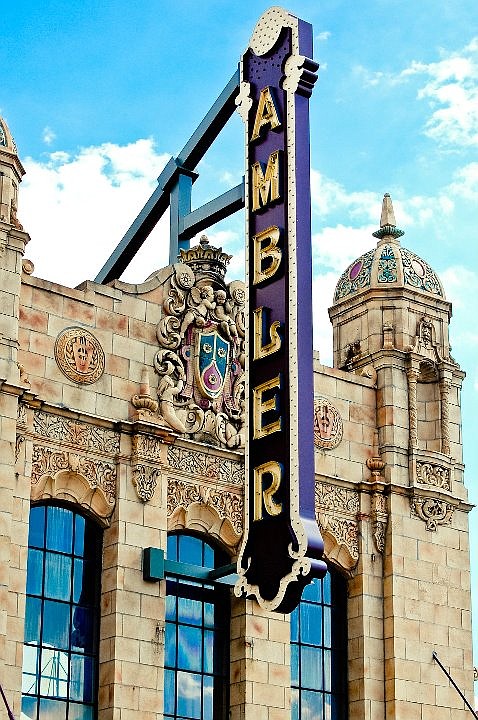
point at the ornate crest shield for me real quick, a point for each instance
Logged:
(212, 361)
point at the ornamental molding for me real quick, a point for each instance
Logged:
(147, 447)
(379, 517)
(145, 481)
(84, 436)
(432, 510)
(433, 475)
(426, 343)
(356, 277)
(195, 463)
(227, 504)
(337, 509)
(200, 363)
(79, 355)
(328, 424)
(69, 476)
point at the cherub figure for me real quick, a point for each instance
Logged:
(201, 300)
(223, 312)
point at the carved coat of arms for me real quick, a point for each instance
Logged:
(201, 361)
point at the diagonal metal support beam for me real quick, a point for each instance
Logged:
(196, 147)
(212, 212)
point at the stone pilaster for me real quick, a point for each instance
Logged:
(260, 663)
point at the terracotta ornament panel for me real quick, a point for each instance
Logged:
(79, 355)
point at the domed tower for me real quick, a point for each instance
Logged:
(390, 319)
(11, 173)
(390, 323)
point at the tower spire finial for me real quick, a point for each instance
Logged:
(388, 226)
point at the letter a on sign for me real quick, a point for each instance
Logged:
(282, 547)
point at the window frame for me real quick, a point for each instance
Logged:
(77, 599)
(206, 592)
(330, 595)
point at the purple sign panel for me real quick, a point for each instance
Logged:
(282, 546)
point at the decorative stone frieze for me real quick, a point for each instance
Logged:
(228, 505)
(336, 509)
(74, 460)
(65, 475)
(212, 467)
(433, 475)
(74, 432)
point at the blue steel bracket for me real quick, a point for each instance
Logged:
(174, 188)
(155, 567)
(153, 564)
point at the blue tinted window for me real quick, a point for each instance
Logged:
(319, 651)
(196, 639)
(60, 657)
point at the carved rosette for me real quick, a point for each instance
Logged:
(79, 355)
(433, 511)
(336, 509)
(200, 363)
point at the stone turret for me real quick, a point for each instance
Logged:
(11, 173)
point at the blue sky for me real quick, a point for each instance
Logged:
(99, 94)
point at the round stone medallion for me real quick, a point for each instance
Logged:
(328, 425)
(79, 355)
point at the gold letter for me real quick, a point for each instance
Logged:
(266, 113)
(263, 185)
(272, 507)
(261, 350)
(263, 253)
(261, 406)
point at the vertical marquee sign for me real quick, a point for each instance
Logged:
(282, 546)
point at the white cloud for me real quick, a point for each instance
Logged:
(465, 182)
(460, 284)
(77, 208)
(48, 135)
(451, 89)
(336, 247)
(324, 35)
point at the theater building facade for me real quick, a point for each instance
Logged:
(123, 425)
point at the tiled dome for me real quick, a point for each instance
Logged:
(389, 265)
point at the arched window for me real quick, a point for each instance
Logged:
(319, 651)
(60, 653)
(196, 658)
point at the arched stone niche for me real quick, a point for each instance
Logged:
(202, 518)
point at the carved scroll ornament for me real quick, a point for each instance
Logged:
(432, 511)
